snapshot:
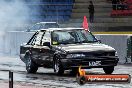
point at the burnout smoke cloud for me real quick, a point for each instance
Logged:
(13, 13)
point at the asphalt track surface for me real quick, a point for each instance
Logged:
(48, 79)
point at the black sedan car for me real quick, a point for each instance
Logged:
(67, 48)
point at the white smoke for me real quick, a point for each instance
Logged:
(13, 14)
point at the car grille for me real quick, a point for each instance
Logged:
(96, 54)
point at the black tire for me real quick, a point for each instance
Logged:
(31, 67)
(108, 70)
(58, 67)
(81, 80)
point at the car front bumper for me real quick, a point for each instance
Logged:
(88, 62)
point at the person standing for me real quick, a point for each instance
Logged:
(91, 11)
(116, 4)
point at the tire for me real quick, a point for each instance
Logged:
(81, 80)
(31, 67)
(58, 67)
(108, 70)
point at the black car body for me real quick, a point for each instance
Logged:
(67, 48)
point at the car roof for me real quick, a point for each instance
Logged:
(53, 29)
(45, 22)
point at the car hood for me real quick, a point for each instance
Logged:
(86, 47)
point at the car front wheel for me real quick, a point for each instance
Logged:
(108, 70)
(58, 67)
(31, 67)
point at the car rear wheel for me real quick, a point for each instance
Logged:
(58, 67)
(108, 70)
(31, 67)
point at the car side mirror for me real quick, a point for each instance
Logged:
(99, 41)
(46, 44)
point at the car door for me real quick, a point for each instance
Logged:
(42, 54)
(37, 49)
(47, 53)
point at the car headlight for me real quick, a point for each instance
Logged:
(75, 55)
(116, 54)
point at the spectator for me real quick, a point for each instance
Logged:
(120, 5)
(91, 11)
(115, 4)
(126, 3)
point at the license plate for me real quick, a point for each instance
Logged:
(94, 63)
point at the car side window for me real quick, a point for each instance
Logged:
(39, 38)
(46, 37)
(33, 39)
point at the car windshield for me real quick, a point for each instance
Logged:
(72, 37)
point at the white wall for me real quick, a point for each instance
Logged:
(119, 42)
(14, 39)
(1, 41)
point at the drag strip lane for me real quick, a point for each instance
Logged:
(46, 77)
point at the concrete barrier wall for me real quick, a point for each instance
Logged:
(2, 41)
(13, 40)
(119, 42)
